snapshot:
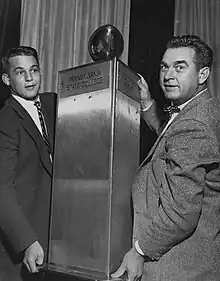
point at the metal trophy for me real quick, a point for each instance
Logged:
(96, 157)
(106, 43)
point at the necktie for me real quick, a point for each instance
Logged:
(170, 109)
(43, 125)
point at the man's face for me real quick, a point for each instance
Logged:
(23, 77)
(179, 78)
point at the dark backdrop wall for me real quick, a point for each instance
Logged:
(10, 12)
(151, 26)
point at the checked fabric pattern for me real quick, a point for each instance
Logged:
(171, 109)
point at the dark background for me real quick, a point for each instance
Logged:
(151, 26)
(10, 13)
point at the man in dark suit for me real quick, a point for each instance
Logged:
(176, 192)
(26, 149)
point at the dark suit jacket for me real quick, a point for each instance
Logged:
(176, 197)
(25, 180)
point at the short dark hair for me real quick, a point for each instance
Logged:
(203, 53)
(18, 51)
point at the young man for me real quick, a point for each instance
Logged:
(176, 193)
(26, 148)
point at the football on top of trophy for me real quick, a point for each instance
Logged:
(106, 43)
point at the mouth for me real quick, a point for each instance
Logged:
(170, 87)
(30, 87)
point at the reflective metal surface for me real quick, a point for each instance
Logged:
(96, 155)
(106, 43)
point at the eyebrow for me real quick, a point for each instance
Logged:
(176, 62)
(20, 67)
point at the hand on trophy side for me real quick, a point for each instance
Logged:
(146, 99)
(132, 264)
(33, 257)
(148, 106)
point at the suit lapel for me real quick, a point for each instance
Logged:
(152, 149)
(200, 98)
(33, 131)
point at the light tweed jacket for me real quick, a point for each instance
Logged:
(176, 196)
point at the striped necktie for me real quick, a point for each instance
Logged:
(43, 126)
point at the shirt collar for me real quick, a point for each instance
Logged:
(181, 106)
(25, 103)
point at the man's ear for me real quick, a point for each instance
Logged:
(203, 74)
(5, 79)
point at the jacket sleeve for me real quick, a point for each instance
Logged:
(177, 177)
(152, 118)
(13, 221)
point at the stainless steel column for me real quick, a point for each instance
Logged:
(96, 156)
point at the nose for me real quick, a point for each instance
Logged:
(28, 76)
(169, 74)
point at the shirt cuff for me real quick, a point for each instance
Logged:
(138, 249)
(145, 105)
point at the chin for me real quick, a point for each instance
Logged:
(171, 96)
(30, 96)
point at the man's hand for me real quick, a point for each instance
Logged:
(144, 89)
(34, 255)
(133, 264)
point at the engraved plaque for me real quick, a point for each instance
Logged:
(89, 78)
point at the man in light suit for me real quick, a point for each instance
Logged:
(26, 149)
(176, 192)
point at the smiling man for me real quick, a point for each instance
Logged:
(26, 148)
(176, 192)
